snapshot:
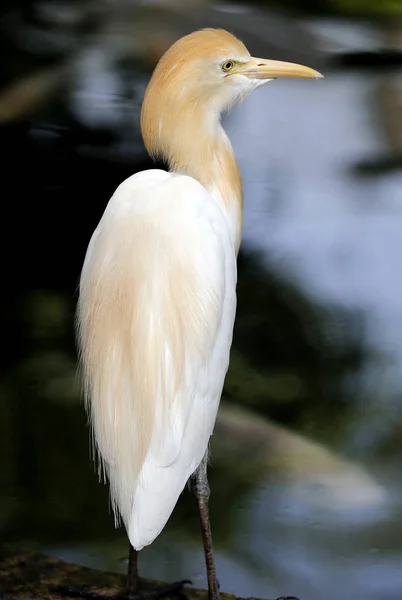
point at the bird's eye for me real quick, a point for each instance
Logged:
(227, 65)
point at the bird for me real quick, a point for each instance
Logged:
(157, 291)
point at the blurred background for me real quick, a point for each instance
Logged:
(306, 460)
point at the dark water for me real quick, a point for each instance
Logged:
(306, 458)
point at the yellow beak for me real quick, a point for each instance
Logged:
(261, 68)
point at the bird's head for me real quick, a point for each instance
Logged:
(197, 78)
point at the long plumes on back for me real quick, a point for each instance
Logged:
(139, 317)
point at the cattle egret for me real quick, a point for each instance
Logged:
(157, 294)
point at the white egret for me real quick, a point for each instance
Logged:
(158, 289)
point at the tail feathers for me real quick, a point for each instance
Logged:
(156, 495)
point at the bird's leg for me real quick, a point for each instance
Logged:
(202, 492)
(132, 575)
(132, 592)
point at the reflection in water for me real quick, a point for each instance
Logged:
(306, 493)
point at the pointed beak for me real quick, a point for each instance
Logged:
(262, 68)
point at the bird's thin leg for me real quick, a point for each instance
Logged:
(132, 575)
(202, 492)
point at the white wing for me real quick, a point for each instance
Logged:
(155, 321)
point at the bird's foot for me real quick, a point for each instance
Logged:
(174, 589)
